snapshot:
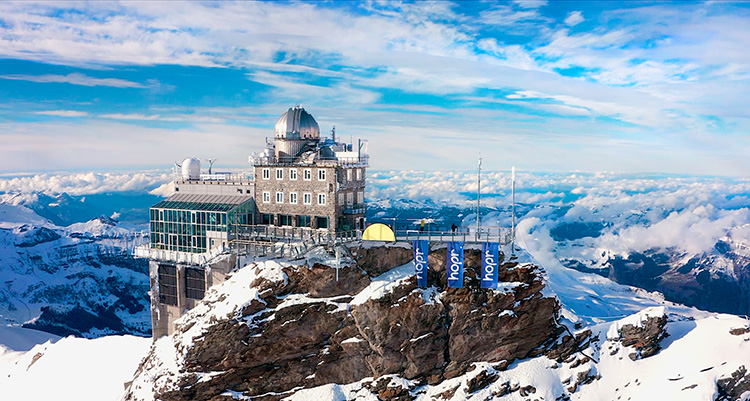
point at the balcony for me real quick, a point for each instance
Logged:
(357, 208)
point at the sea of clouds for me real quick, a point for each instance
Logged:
(638, 212)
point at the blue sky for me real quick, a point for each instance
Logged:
(547, 86)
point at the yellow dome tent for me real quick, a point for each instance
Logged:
(378, 232)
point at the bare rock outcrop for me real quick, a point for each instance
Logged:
(645, 337)
(733, 387)
(305, 330)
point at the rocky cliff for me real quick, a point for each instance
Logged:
(275, 328)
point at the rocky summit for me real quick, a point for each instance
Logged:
(274, 328)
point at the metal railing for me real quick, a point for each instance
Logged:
(358, 208)
(144, 251)
(361, 161)
(220, 177)
(503, 235)
(269, 233)
(291, 242)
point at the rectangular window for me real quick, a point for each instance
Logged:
(285, 220)
(279, 173)
(266, 173)
(293, 174)
(266, 197)
(361, 197)
(266, 218)
(279, 197)
(307, 174)
(349, 174)
(341, 198)
(321, 199)
(304, 221)
(349, 198)
(293, 198)
(168, 284)
(195, 283)
(321, 174)
(307, 198)
(359, 174)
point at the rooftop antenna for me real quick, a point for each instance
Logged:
(210, 163)
(333, 133)
(479, 187)
(513, 211)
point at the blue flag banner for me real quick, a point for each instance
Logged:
(421, 250)
(490, 257)
(455, 264)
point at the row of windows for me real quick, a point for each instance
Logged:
(195, 284)
(298, 221)
(306, 174)
(349, 198)
(188, 216)
(306, 198)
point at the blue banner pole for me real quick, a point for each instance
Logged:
(421, 251)
(455, 264)
(490, 258)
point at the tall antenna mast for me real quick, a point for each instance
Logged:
(513, 211)
(333, 133)
(479, 187)
(210, 164)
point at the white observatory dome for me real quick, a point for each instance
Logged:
(191, 169)
(296, 123)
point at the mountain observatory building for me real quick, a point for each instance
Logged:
(303, 191)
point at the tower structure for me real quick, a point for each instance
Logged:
(305, 185)
(305, 181)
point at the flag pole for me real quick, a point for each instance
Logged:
(513, 211)
(479, 186)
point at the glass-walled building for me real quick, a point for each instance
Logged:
(197, 223)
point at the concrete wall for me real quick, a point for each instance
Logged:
(215, 188)
(163, 316)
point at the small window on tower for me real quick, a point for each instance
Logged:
(195, 283)
(266, 173)
(279, 173)
(293, 198)
(321, 199)
(307, 198)
(168, 284)
(279, 197)
(307, 174)
(293, 174)
(266, 197)
(321, 174)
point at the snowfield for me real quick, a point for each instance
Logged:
(40, 366)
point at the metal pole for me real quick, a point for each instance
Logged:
(513, 211)
(479, 183)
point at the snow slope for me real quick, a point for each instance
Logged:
(68, 368)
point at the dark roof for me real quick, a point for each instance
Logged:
(212, 203)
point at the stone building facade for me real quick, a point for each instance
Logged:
(300, 180)
(320, 196)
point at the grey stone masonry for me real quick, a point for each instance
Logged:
(302, 194)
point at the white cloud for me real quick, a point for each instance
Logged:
(63, 113)
(530, 3)
(76, 79)
(83, 183)
(574, 18)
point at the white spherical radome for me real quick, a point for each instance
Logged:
(191, 169)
